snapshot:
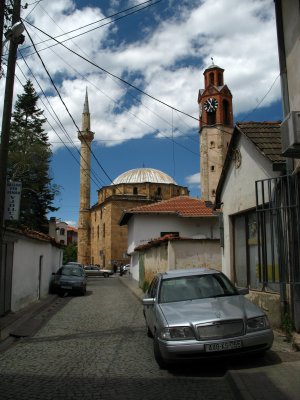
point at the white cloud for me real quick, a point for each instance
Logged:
(194, 180)
(239, 34)
(71, 223)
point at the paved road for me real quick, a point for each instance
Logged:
(95, 347)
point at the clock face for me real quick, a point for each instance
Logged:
(210, 105)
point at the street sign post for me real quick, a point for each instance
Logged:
(12, 200)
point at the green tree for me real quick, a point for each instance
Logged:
(29, 160)
(70, 253)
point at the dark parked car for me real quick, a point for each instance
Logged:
(94, 270)
(199, 313)
(69, 278)
(75, 263)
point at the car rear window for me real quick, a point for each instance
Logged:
(72, 271)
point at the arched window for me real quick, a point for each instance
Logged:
(114, 191)
(213, 192)
(158, 191)
(135, 190)
(62, 231)
(220, 79)
(226, 114)
(212, 145)
(212, 168)
(212, 78)
(211, 118)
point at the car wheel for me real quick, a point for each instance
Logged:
(106, 275)
(162, 363)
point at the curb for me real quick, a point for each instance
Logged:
(23, 317)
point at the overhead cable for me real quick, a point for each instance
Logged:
(115, 76)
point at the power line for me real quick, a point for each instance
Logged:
(100, 26)
(115, 76)
(36, 3)
(130, 112)
(60, 124)
(61, 99)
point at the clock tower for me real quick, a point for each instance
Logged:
(216, 126)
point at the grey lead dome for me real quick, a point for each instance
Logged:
(142, 175)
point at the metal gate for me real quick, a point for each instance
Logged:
(6, 277)
(278, 219)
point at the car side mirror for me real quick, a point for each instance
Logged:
(148, 301)
(243, 291)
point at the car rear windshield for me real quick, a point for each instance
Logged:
(72, 271)
(195, 287)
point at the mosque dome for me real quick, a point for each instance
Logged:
(142, 175)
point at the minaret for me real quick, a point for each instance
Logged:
(216, 126)
(85, 136)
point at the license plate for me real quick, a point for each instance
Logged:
(223, 346)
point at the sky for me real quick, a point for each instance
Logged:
(131, 62)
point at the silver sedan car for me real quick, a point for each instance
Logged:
(198, 312)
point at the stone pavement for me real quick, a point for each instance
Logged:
(274, 377)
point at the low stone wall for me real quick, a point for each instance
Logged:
(270, 303)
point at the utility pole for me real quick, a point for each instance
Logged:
(7, 111)
(2, 6)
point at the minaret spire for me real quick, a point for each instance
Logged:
(86, 119)
(85, 136)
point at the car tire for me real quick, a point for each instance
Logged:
(162, 363)
(106, 275)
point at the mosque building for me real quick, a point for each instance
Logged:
(101, 240)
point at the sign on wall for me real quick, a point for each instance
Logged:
(12, 200)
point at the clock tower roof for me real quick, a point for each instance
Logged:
(213, 66)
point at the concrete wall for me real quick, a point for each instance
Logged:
(177, 254)
(33, 263)
(270, 303)
(195, 253)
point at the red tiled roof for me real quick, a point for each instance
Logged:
(183, 206)
(164, 240)
(72, 228)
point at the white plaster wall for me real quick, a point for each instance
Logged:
(238, 192)
(143, 228)
(291, 26)
(25, 276)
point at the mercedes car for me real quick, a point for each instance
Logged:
(199, 313)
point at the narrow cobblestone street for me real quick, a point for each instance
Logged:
(95, 347)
